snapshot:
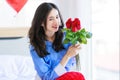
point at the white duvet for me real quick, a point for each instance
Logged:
(16, 67)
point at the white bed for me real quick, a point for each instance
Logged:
(16, 67)
(15, 60)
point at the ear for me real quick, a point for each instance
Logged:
(42, 24)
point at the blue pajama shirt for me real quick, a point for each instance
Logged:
(49, 67)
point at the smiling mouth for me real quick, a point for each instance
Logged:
(55, 27)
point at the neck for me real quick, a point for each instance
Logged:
(50, 37)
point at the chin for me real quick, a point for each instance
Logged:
(56, 30)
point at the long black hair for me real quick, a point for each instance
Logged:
(37, 33)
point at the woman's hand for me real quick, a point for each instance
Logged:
(73, 50)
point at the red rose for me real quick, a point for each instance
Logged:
(75, 33)
(76, 25)
(69, 23)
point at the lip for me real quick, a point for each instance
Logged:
(55, 27)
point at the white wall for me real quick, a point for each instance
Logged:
(10, 18)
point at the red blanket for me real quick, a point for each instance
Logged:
(71, 76)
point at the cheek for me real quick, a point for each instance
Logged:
(48, 26)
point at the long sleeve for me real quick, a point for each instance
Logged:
(49, 67)
(45, 70)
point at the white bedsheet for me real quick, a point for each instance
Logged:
(16, 67)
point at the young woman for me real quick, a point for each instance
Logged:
(51, 57)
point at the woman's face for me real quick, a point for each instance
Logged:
(53, 21)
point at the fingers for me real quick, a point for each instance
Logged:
(78, 46)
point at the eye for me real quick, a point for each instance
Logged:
(50, 19)
(57, 17)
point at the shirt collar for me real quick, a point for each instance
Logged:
(48, 43)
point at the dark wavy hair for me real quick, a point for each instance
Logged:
(37, 33)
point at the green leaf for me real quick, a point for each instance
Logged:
(84, 40)
(83, 30)
(65, 30)
(78, 33)
(89, 35)
(79, 40)
(69, 37)
(69, 34)
(74, 40)
(66, 41)
(82, 36)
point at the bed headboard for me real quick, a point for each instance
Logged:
(13, 31)
(14, 46)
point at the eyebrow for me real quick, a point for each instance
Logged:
(53, 16)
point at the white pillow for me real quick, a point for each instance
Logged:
(14, 66)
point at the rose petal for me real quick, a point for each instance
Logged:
(69, 23)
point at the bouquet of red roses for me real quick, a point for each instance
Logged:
(74, 32)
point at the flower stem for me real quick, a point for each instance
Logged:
(78, 66)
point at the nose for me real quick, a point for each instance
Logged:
(56, 21)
